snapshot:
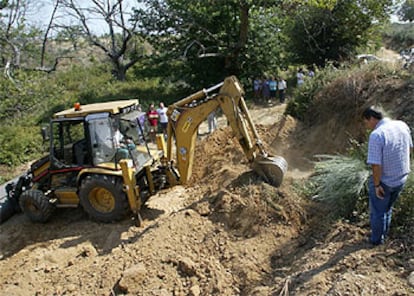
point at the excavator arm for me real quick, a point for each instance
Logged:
(186, 115)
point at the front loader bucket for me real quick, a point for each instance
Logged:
(271, 168)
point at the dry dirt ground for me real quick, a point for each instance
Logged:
(228, 233)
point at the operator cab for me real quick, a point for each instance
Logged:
(118, 137)
(68, 143)
(99, 139)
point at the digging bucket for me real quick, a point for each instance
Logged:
(271, 168)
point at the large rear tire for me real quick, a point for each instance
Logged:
(36, 205)
(103, 199)
(7, 209)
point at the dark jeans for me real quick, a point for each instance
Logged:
(282, 95)
(381, 211)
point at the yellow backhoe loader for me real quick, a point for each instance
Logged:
(99, 158)
(186, 115)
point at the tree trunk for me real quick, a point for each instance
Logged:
(119, 70)
(231, 61)
(49, 26)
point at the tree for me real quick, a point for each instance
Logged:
(45, 36)
(203, 41)
(11, 22)
(18, 40)
(318, 35)
(119, 44)
(406, 12)
(22, 44)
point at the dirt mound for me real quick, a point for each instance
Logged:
(229, 233)
(219, 158)
(234, 196)
(335, 115)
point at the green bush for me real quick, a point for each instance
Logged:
(19, 144)
(399, 36)
(304, 96)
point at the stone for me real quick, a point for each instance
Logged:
(133, 278)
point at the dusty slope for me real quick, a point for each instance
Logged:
(228, 234)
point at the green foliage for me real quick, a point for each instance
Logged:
(29, 93)
(25, 102)
(201, 42)
(264, 51)
(318, 35)
(399, 36)
(19, 144)
(78, 78)
(18, 40)
(305, 95)
(340, 180)
(72, 34)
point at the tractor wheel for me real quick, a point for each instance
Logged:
(36, 205)
(7, 209)
(103, 199)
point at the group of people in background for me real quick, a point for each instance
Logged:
(265, 88)
(301, 76)
(268, 88)
(157, 120)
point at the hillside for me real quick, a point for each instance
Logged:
(228, 233)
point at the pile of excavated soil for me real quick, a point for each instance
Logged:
(228, 233)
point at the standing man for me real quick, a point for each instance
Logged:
(152, 116)
(389, 148)
(272, 88)
(162, 113)
(265, 89)
(281, 85)
(257, 88)
(212, 122)
(300, 78)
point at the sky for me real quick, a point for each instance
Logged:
(43, 10)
